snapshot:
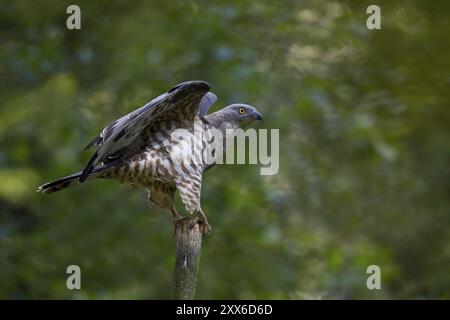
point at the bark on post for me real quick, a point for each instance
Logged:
(188, 246)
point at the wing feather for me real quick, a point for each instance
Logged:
(206, 103)
(120, 138)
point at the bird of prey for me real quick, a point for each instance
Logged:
(139, 149)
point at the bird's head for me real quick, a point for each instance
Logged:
(241, 114)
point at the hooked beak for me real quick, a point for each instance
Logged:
(258, 116)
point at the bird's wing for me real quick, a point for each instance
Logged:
(207, 101)
(117, 140)
(119, 123)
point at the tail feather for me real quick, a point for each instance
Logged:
(88, 169)
(66, 182)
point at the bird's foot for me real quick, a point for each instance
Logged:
(205, 227)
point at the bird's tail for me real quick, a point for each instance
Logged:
(65, 182)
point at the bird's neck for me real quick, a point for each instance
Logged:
(218, 121)
(218, 130)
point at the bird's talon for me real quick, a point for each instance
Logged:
(206, 229)
(176, 220)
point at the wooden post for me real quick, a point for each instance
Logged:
(189, 242)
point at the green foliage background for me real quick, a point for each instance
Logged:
(364, 151)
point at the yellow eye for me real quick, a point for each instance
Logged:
(241, 110)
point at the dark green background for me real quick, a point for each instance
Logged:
(364, 147)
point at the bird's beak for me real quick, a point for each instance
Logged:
(258, 116)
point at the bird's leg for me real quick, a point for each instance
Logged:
(176, 218)
(201, 219)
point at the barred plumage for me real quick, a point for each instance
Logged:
(143, 150)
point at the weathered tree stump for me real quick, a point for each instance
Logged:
(188, 236)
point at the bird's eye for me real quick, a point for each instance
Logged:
(241, 110)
